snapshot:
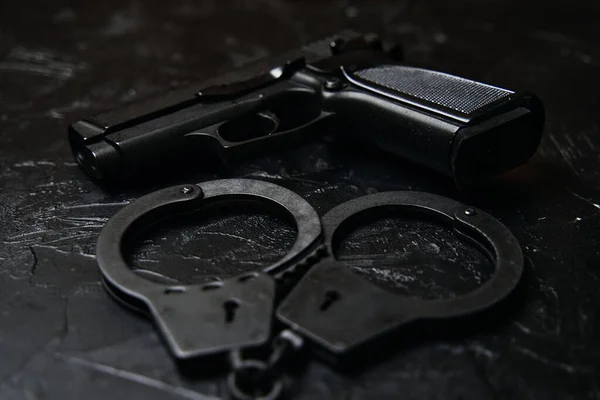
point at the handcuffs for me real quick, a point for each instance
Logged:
(328, 305)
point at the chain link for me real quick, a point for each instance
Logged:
(253, 379)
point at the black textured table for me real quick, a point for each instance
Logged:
(62, 337)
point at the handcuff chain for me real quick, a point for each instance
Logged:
(283, 348)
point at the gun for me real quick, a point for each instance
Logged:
(465, 129)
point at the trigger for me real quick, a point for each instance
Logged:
(249, 126)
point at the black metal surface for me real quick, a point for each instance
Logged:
(208, 319)
(62, 337)
(341, 311)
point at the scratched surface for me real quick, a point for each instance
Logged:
(62, 337)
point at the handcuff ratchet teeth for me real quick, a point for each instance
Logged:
(197, 320)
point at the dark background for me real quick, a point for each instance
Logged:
(62, 337)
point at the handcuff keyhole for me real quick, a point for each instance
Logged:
(230, 307)
(331, 296)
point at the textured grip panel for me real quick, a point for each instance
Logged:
(459, 94)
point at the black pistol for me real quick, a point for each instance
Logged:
(465, 129)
